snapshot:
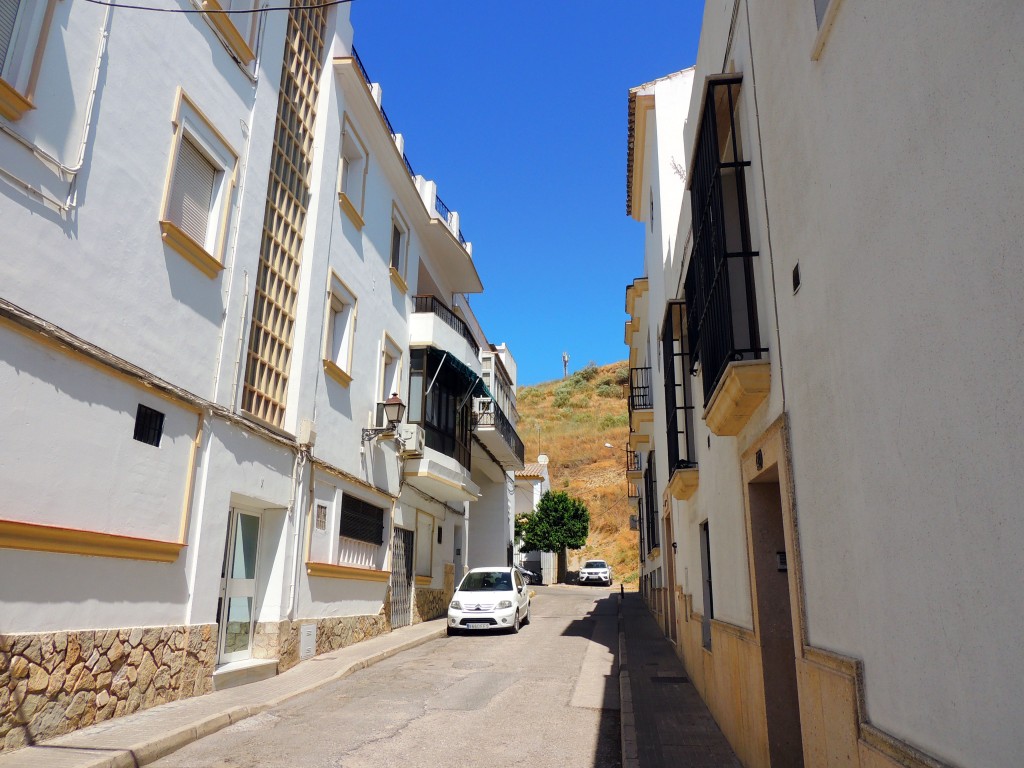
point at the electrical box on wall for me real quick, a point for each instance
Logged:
(307, 641)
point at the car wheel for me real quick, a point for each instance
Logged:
(452, 631)
(526, 618)
(515, 624)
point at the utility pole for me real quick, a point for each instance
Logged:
(565, 364)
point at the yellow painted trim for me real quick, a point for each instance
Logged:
(683, 484)
(334, 372)
(350, 210)
(424, 581)
(12, 104)
(744, 386)
(644, 416)
(223, 23)
(636, 440)
(330, 571)
(192, 251)
(825, 29)
(403, 260)
(70, 541)
(397, 280)
(191, 482)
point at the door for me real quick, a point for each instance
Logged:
(236, 610)
(402, 551)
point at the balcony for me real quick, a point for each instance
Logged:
(720, 290)
(641, 402)
(497, 433)
(434, 324)
(633, 467)
(451, 219)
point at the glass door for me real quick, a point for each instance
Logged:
(237, 609)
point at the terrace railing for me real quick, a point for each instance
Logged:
(440, 309)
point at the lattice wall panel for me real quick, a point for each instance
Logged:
(277, 283)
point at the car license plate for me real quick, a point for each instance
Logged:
(477, 625)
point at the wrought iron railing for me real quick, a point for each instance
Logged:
(408, 165)
(682, 453)
(719, 286)
(362, 68)
(443, 209)
(487, 413)
(387, 122)
(441, 310)
(632, 461)
(640, 389)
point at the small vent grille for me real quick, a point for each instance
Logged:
(321, 517)
(149, 425)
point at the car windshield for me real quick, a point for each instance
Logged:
(487, 581)
(596, 564)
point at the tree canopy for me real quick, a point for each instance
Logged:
(560, 522)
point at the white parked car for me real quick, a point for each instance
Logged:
(490, 598)
(594, 571)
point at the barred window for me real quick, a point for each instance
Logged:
(361, 520)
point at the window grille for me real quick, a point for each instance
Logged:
(361, 520)
(191, 193)
(321, 517)
(149, 425)
(273, 317)
(651, 495)
(678, 395)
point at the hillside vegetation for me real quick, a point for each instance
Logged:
(570, 420)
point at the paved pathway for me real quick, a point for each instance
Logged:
(671, 726)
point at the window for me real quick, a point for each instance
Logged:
(439, 399)
(399, 249)
(678, 395)
(198, 195)
(340, 332)
(352, 174)
(237, 30)
(321, 517)
(424, 544)
(705, 567)
(361, 520)
(23, 28)
(651, 495)
(719, 287)
(390, 375)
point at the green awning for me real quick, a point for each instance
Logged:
(441, 358)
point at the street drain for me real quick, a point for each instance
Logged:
(668, 679)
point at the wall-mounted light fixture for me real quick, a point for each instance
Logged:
(394, 410)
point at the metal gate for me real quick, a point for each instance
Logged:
(401, 578)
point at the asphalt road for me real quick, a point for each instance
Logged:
(545, 698)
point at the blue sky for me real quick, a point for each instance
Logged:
(518, 111)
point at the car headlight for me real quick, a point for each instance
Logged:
(456, 605)
(505, 604)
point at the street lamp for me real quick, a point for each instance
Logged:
(394, 410)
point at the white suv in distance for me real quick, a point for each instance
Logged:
(595, 571)
(488, 599)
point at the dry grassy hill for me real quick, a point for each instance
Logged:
(570, 420)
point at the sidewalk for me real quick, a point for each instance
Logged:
(128, 742)
(664, 720)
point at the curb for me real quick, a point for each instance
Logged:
(627, 722)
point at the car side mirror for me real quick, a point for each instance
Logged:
(521, 590)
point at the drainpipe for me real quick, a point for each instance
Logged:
(293, 514)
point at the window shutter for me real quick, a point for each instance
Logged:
(191, 191)
(8, 18)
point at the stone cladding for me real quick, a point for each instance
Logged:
(433, 603)
(56, 682)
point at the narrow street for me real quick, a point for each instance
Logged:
(544, 697)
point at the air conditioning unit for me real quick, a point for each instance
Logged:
(411, 436)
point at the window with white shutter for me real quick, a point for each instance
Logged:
(198, 195)
(192, 192)
(8, 22)
(23, 28)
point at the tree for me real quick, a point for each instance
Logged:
(561, 522)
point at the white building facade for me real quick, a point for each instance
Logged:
(218, 264)
(830, 302)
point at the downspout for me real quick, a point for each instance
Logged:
(293, 513)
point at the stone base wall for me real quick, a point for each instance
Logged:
(280, 640)
(56, 682)
(433, 603)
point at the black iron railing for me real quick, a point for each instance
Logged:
(632, 461)
(719, 288)
(362, 68)
(651, 495)
(408, 165)
(441, 310)
(387, 122)
(443, 209)
(678, 395)
(640, 389)
(489, 414)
